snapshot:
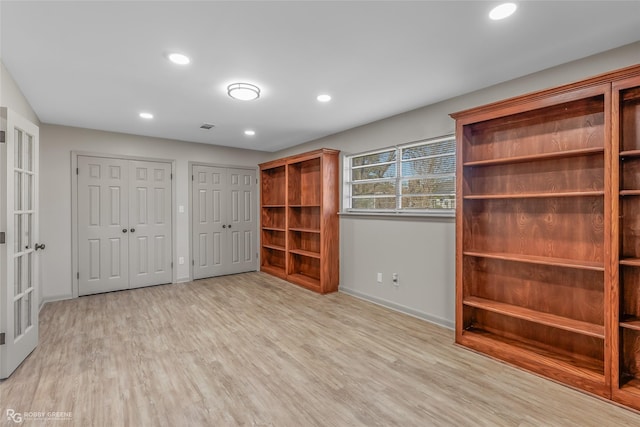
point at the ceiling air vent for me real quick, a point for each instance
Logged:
(207, 126)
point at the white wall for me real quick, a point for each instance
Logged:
(11, 96)
(56, 145)
(423, 251)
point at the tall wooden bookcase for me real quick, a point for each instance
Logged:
(299, 219)
(548, 233)
(626, 263)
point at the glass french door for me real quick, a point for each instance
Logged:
(19, 276)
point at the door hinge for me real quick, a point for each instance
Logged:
(2, 136)
(193, 262)
(77, 171)
(171, 264)
(192, 178)
(171, 176)
(2, 238)
(78, 275)
(2, 338)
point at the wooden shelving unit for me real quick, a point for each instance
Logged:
(532, 190)
(626, 269)
(273, 220)
(299, 228)
(548, 233)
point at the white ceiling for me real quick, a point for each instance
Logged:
(98, 64)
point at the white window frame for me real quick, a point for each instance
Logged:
(398, 210)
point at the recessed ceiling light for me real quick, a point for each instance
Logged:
(249, 132)
(146, 115)
(324, 98)
(502, 11)
(178, 58)
(243, 91)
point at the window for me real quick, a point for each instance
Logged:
(416, 177)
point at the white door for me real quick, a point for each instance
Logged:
(209, 241)
(223, 221)
(19, 260)
(149, 223)
(124, 224)
(103, 225)
(241, 221)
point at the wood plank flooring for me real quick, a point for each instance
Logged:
(253, 350)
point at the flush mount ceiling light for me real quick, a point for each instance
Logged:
(146, 115)
(324, 98)
(178, 58)
(243, 91)
(502, 11)
(249, 132)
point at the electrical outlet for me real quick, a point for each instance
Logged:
(181, 260)
(379, 277)
(394, 279)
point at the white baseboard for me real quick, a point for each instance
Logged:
(54, 298)
(401, 308)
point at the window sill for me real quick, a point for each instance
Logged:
(398, 215)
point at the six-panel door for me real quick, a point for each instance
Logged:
(224, 221)
(124, 224)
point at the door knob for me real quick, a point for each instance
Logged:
(39, 246)
(229, 225)
(133, 230)
(224, 226)
(124, 230)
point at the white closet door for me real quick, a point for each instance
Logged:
(208, 220)
(149, 223)
(103, 224)
(241, 220)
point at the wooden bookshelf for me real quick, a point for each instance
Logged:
(626, 183)
(300, 203)
(548, 233)
(532, 192)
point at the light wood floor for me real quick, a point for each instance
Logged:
(256, 351)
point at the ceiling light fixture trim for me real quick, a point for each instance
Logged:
(243, 91)
(323, 98)
(146, 115)
(249, 132)
(179, 58)
(502, 11)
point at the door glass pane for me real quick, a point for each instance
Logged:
(25, 260)
(28, 191)
(17, 276)
(27, 309)
(18, 150)
(17, 318)
(17, 203)
(26, 226)
(29, 271)
(28, 153)
(17, 229)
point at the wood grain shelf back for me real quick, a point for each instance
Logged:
(536, 157)
(560, 128)
(543, 260)
(534, 316)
